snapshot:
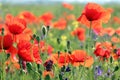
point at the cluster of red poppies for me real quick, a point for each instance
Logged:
(16, 39)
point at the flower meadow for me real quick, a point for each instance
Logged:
(60, 42)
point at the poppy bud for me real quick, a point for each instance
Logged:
(69, 52)
(38, 38)
(58, 53)
(16, 25)
(44, 30)
(115, 50)
(2, 31)
(8, 55)
(58, 40)
(33, 37)
(6, 41)
(65, 50)
(63, 68)
(68, 44)
(38, 66)
(48, 28)
(29, 66)
(66, 79)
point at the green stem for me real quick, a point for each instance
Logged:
(90, 29)
(83, 67)
(3, 75)
(89, 38)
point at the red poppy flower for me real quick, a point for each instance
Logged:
(49, 49)
(68, 6)
(25, 35)
(109, 30)
(61, 59)
(45, 48)
(15, 25)
(103, 50)
(116, 19)
(28, 16)
(54, 58)
(80, 33)
(98, 30)
(94, 13)
(6, 40)
(70, 17)
(60, 24)
(50, 73)
(105, 44)
(13, 59)
(118, 52)
(13, 52)
(42, 44)
(80, 57)
(115, 39)
(64, 59)
(46, 18)
(117, 31)
(29, 52)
